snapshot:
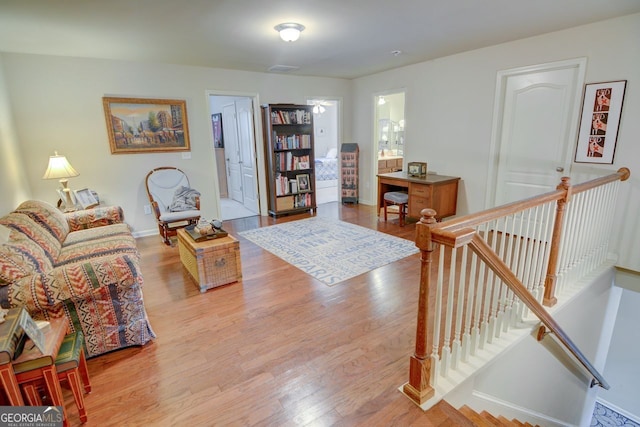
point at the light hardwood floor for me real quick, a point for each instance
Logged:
(277, 349)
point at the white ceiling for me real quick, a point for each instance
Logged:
(343, 38)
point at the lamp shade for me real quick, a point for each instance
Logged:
(59, 168)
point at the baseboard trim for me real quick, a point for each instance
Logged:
(145, 233)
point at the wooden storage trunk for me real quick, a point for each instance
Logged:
(211, 263)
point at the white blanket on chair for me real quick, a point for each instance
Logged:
(184, 199)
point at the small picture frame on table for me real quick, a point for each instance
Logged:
(85, 198)
(417, 169)
(63, 199)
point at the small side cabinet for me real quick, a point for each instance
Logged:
(349, 154)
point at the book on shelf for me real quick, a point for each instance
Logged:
(287, 161)
(293, 201)
(302, 200)
(286, 117)
(282, 185)
(291, 142)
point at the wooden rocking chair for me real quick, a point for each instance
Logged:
(162, 184)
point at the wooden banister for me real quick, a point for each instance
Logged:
(501, 269)
(465, 232)
(622, 174)
(473, 220)
(552, 271)
(418, 388)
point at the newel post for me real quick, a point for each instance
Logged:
(552, 269)
(418, 388)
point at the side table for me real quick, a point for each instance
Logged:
(33, 365)
(10, 334)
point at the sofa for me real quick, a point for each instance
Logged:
(83, 266)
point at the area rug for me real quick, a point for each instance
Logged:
(603, 416)
(330, 250)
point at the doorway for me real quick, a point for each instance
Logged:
(235, 155)
(326, 113)
(388, 130)
(534, 131)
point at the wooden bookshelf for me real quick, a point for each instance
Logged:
(290, 162)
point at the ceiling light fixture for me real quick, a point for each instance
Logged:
(289, 31)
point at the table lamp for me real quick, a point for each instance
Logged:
(59, 168)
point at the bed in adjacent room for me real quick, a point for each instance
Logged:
(326, 169)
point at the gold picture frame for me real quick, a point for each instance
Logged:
(141, 125)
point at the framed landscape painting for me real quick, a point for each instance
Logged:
(140, 125)
(599, 123)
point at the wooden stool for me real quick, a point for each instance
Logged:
(396, 198)
(71, 366)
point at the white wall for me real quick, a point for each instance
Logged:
(622, 369)
(14, 186)
(57, 105)
(449, 112)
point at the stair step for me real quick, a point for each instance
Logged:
(443, 414)
(493, 420)
(476, 418)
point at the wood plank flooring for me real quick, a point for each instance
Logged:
(277, 349)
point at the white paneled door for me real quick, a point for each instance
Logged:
(537, 109)
(246, 140)
(232, 152)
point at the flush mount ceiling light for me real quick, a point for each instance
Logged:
(289, 31)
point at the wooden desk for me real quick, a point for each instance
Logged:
(437, 192)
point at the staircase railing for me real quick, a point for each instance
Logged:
(483, 274)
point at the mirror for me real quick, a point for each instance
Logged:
(389, 123)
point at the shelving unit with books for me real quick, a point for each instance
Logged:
(290, 163)
(349, 167)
